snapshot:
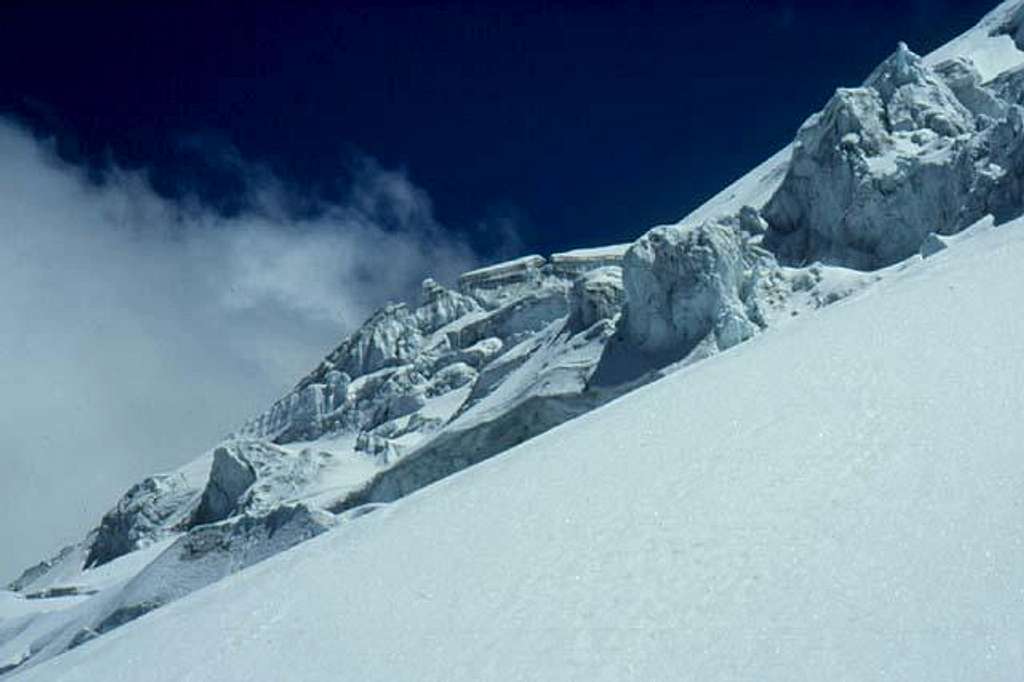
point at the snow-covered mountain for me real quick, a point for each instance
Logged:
(837, 496)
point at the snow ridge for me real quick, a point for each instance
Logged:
(884, 175)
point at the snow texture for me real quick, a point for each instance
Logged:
(848, 509)
(735, 519)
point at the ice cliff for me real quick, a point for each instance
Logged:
(924, 148)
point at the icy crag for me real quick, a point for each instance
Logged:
(886, 172)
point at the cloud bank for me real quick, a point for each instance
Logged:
(135, 331)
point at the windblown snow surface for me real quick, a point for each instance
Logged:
(840, 498)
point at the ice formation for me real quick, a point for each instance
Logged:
(886, 172)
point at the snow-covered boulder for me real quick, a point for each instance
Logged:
(1013, 26)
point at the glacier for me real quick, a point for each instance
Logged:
(684, 433)
(837, 498)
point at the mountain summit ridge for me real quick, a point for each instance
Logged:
(884, 175)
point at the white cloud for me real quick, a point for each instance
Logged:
(134, 331)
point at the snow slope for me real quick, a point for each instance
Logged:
(840, 498)
(899, 166)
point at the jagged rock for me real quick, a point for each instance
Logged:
(377, 446)
(393, 337)
(596, 295)
(544, 383)
(402, 393)
(337, 385)
(304, 413)
(1013, 27)
(1000, 180)
(308, 415)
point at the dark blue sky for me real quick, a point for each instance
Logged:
(581, 124)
